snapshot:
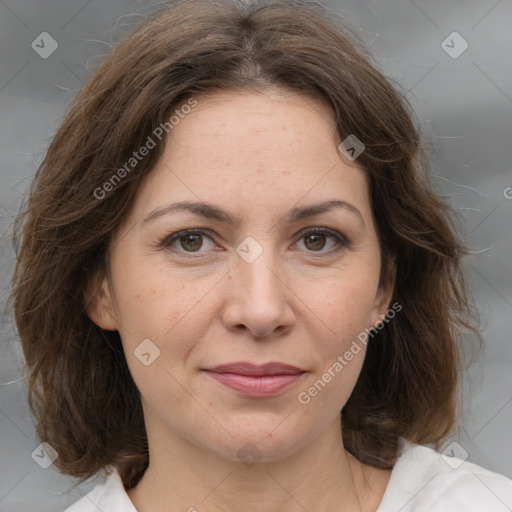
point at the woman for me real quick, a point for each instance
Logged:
(230, 241)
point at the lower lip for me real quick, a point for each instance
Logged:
(257, 386)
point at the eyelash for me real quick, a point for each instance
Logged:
(342, 242)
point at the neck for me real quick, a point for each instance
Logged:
(319, 476)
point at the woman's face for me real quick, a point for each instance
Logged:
(253, 282)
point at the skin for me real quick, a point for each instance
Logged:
(301, 302)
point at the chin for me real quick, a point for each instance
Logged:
(262, 441)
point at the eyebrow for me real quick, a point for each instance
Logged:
(211, 211)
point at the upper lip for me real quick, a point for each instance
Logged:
(244, 368)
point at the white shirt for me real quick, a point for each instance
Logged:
(422, 480)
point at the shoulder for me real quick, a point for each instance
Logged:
(423, 479)
(109, 495)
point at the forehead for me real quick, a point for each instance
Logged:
(263, 150)
(255, 120)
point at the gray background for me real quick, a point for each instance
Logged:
(464, 104)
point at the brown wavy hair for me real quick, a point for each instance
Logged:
(80, 389)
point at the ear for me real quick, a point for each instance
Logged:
(98, 302)
(384, 295)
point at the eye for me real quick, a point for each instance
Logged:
(188, 240)
(316, 239)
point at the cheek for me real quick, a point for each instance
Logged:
(344, 305)
(170, 308)
(344, 308)
(153, 299)
(345, 314)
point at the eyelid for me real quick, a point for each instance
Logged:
(322, 230)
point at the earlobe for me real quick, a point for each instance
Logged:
(98, 303)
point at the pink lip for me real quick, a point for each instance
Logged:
(256, 381)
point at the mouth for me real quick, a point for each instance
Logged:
(256, 381)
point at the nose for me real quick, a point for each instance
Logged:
(258, 298)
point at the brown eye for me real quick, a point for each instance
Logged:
(314, 242)
(188, 241)
(191, 243)
(323, 240)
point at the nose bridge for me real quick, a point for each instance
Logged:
(257, 272)
(258, 296)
